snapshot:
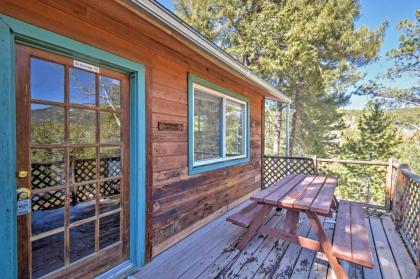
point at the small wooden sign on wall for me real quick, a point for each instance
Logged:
(162, 126)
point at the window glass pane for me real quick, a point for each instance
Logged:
(47, 211)
(109, 230)
(110, 162)
(82, 126)
(207, 126)
(47, 124)
(47, 254)
(47, 80)
(110, 127)
(109, 93)
(82, 241)
(82, 202)
(47, 168)
(82, 164)
(234, 128)
(82, 87)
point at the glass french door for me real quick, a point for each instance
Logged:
(72, 154)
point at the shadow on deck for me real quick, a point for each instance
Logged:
(210, 253)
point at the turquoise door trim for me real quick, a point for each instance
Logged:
(223, 164)
(8, 240)
(13, 30)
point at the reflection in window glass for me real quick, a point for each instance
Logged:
(47, 124)
(47, 211)
(47, 254)
(207, 126)
(47, 81)
(83, 164)
(110, 195)
(47, 168)
(82, 202)
(110, 127)
(82, 241)
(82, 87)
(109, 92)
(82, 126)
(234, 128)
(110, 162)
(109, 230)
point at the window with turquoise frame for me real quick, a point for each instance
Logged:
(218, 126)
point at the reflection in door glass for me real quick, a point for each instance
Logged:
(109, 93)
(82, 202)
(47, 254)
(109, 230)
(110, 195)
(47, 124)
(47, 81)
(110, 162)
(82, 126)
(47, 211)
(82, 241)
(47, 168)
(82, 164)
(82, 87)
(110, 127)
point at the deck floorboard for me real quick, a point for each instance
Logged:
(210, 253)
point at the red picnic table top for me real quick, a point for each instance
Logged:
(300, 192)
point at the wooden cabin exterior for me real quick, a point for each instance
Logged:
(159, 66)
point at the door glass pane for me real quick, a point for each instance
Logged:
(109, 230)
(47, 124)
(234, 128)
(110, 195)
(83, 164)
(207, 126)
(47, 254)
(82, 241)
(110, 162)
(47, 211)
(82, 126)
(110, 127)
(47, 80)
(109, 93)
(47, 168)
(82, 202)
(82, 87)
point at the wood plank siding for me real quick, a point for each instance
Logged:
(175, 200)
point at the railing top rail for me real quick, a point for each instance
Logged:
(376, 163)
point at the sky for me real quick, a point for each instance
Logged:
(373, 13)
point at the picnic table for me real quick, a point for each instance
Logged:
(312, 195)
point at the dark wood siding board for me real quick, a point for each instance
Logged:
(170, 148)
(149, 165)
(168, 107)
(169, 136)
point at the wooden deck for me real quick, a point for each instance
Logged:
(210, 253)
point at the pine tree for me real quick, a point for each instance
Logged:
(377, 137)
(376, 140)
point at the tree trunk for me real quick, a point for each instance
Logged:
(295, 117)
(277, 130)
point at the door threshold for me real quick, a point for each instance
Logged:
(117, 271)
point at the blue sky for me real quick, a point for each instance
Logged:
(373, 13)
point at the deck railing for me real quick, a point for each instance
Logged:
(388, 186)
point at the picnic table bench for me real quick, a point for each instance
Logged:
(312, 195)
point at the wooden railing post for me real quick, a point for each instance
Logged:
(400, 185)
(388, 185)
(315, 159)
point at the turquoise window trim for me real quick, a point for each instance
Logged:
(217, 165)
(13, 30)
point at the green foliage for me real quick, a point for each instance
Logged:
(376, 139)
(310, 50)
(406, 63)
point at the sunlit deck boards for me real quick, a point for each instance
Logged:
(210, 253)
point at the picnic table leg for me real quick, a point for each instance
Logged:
(291, 221)
(256, 223)
(326, 245)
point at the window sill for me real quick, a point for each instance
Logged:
(216, 165)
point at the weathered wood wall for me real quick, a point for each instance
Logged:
(175, 200)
